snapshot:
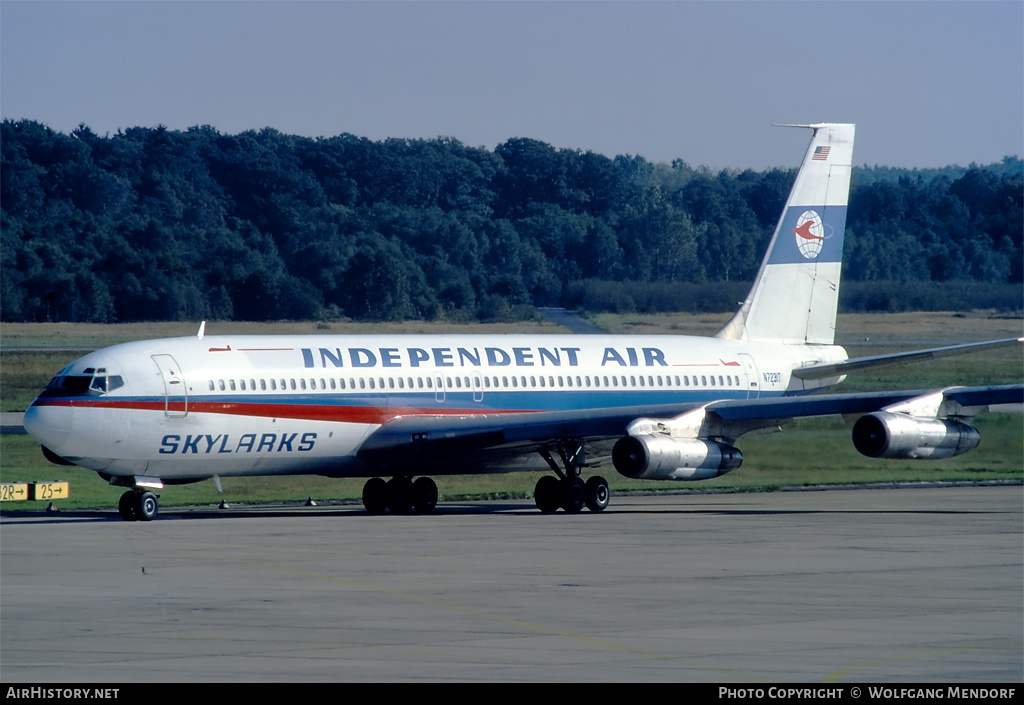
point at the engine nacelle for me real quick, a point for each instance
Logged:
(887, 435)
(661, 457)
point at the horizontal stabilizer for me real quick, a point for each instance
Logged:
(859, 364)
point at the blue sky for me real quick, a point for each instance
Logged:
(928, 83)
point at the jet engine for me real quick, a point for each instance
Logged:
(887, 435)
(662, 457)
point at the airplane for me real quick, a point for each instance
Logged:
(157, 412)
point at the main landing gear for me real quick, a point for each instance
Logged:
(568, 491)
(400, 495)
(138, 505)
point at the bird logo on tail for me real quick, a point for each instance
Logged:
(810, 234)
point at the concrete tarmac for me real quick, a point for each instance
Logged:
(911, 585)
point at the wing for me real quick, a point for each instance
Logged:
(491, 439)
(468, 443)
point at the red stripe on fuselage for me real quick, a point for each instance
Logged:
(302, 412)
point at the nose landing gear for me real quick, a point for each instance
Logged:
(138, 505)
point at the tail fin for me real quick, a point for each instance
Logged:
(796, 294)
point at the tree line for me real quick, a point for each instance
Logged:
(159, 224)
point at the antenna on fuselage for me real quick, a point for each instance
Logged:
(202, 330)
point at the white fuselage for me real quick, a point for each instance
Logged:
(189, 408)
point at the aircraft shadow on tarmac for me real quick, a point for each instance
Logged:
(354, 510)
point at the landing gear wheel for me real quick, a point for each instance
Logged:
(126, 506)
(597, 493)
(375, 495)
(573, 494)
(400, 495)
(548, 494)
(146, 506)
(424, 495)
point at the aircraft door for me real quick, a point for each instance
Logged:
(439, 389)
(751, 374)
(175, 394)
(478, 387)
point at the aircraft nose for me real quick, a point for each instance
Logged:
(50, 425)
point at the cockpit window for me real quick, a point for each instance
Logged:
(70, 385)
(94, 384)
(105, 383)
